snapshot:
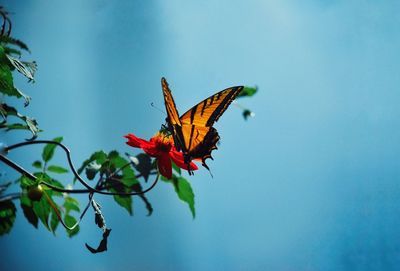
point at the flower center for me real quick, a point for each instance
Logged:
(163, 143)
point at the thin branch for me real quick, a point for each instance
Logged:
(80, 179)
(10, 197)
(17, 167)
(50, 201)
(119, 170)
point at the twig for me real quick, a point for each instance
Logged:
(68, 154)
(10, 197)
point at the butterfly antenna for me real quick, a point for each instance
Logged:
(160, 110)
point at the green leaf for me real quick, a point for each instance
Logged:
(122, 183)
(142, 163)
(27, 69)
(48, 150)
(57, 169)
(113, 154)
(26, 205)
(42, 211)
(165, 179)
(25, 182)
(7, 216)
(176, 168)
(128, 177)
(138, 188)
(124, 201)
(100, 157)
(6, 79)
(12, 51)
(92, 169)
(6, 82)
(117, 160)
(185, 193)
(70, 221)
(37, 164)
(46, 178)
(58, 184)
(126, 183)
(247, 92)
(10, 40)
(107, 167)
(54, 220)
(30, 123)
(71, 204)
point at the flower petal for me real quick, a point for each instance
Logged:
(179, 160)
(165, 165)
(134, 141)
(147, 146)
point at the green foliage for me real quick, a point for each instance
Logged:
(25, 182)
(30, 123)
(10, 61)
(120, 182)
(184, 191)
(54, 221)
(114, 172)
(99, 157)
(27, 69)
(57, 169)
(142, 163)
(123, 201)
(37, 164)
(119, 177)
(6, 82)
(42, 210)
(43, 177)
(48, 150)
(7, 216)
(247, 92)
(71, 221)
(11, 41)
(176, 168)
(71, 204)
(27, 208)
(46, 209)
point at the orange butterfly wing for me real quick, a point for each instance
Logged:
(193, 132)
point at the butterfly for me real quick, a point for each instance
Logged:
(193, 132)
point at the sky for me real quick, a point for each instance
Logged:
(310, 183)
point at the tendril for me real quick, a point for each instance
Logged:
(71, 165)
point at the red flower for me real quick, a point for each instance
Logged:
(162, 148)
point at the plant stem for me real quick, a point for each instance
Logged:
(10, 197)
(88, 189)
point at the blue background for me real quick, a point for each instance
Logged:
(310, 183)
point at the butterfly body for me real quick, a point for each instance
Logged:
(193, 132)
